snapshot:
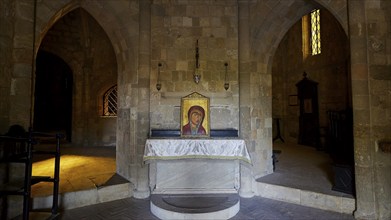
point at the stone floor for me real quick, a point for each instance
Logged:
(83, 168)
(303, 167)
(298, 166)
(80, 169)
(254, 208)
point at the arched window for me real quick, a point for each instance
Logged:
(311, 34)
(110, 102)
(315, 32)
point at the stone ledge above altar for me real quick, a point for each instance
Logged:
(176, 133)
(186, 148)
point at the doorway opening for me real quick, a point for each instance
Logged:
(76, 63)
(53, 95)
(305, 153)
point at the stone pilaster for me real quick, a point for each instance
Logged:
(6, 35)
(246, 178)
(362, 128)
(142, 186)
(21, 105)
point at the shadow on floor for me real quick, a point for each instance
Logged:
(303, 167)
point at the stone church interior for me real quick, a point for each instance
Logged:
(195, 109)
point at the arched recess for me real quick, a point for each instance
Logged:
(327, 129)
(329, 69)
(110, 16)
(119, 20)
(266, 32)
(79, 39)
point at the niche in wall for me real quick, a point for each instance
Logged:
(53, 95)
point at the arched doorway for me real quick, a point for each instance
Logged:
(82, 43)
(53, 95)
(86, 52)
(294, 63)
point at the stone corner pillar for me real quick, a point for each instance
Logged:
(142, 190)
(246, 182)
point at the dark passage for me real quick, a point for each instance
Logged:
(53, 95)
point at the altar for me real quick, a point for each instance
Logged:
(195, 172)
(195, 166)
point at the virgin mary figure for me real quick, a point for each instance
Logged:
(196, 116)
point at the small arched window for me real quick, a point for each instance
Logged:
(110, 102)
(315, 32)
(311, 34)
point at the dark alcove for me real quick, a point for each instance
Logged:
(53, 95)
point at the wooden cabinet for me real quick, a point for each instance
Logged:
(307, 92)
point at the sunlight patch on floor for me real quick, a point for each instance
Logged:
(76, 173)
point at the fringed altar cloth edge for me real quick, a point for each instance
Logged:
(173, 149)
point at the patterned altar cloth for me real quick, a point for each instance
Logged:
(169, 149)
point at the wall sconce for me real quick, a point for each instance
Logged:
(158, 83)
(197, 72)
(226, 83)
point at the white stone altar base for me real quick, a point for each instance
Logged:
(194, 176)
(185, 173)
(194, 166)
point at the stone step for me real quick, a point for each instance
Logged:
(76, 199)
(341, 204)
(195, 206)
(168, 204)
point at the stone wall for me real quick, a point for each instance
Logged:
(14, 89)
(370, 25)
(175, 29)
(380, 80)
(378, 25)
(252, 31)
(16, 63)
(7, 11)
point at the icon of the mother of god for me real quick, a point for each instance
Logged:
(196, 116)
